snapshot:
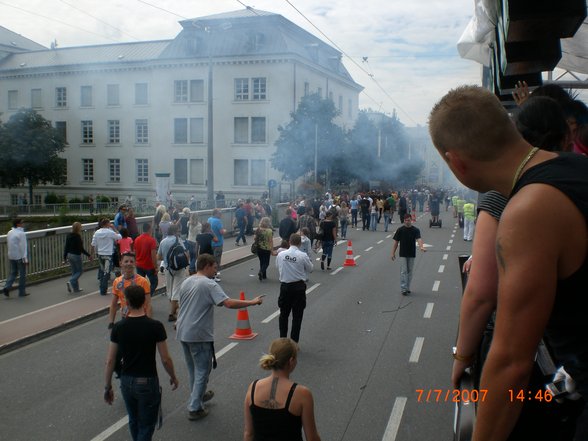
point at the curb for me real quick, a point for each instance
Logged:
(32, 338)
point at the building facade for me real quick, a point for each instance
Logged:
(202, 109)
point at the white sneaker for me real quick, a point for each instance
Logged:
(217, 279)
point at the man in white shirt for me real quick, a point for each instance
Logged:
(103, 245)
(18, 257)
(294, 267)
(173, 279)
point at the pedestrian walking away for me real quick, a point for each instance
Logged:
(137, 338)
(198, 296)
(218, 240)
(275, 407)
(16, 242)
(72, 253)
(174, 277)
(294, 267)
(264, 237)
(146, 257)
(103, 245)
(406, 235)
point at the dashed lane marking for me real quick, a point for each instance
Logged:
(441, 268)
(416, 350)
(336, 271)
(436, 285)
(428, 310)
(445, 256)
(388, 236)
(395, 418)
(380, 241)
(226, 349)
(448, 248)
(277, 313)
(368, 249)
(450, 241)
(357, 257)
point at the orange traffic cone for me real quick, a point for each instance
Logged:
(243, 330)
(349, 261)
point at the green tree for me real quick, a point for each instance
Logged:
(29, 148)
(310, 129)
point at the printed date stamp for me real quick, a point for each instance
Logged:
(451, 395)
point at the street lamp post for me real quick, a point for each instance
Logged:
(315, 152)
(210, 151)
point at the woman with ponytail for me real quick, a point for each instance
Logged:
(275, 408)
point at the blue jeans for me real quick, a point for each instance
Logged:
(142, 399)
(406, 265)
(344, 223)
(365, 221)
(191, 247)
(386, 220)
(373, 221)
(328, 248)
(353, 218)
(17, 267)
(241, 234)
(104, 269)
(75, 261)
(151, 275)
(198, 357)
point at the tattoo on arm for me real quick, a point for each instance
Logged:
(499, 255)
(271, 402)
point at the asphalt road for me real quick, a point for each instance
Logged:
(365, 350)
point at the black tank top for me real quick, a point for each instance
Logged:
(567, 329)
(275, 424)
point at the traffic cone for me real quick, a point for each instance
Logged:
(349, 261)
(243, 330)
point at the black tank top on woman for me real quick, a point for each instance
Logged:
(567, 329)
(275, 424)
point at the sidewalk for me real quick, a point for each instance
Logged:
(51, 309)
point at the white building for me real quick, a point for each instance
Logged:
(130, 111)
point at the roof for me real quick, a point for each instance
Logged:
(13, 42)
(245, 33)
(72, 56)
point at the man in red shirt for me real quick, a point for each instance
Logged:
(146, 252)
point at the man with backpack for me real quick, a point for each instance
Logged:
(174, 261)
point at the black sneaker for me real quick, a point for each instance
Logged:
(207, 396)
(404, 293)
(6, 292)
(194, 415)
(68, 285)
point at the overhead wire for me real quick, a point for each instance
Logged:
(162, 9)
(353, 61)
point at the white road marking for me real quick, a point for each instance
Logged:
(339, 242)
(448, 248)
(452, 236)
(46, 308)
(450, 241)
(226, 349)
(441, 268)
(336, 271)
(124, 421)
(395, 418)
(380, 241)
(357, 257)
(367, 249)
(416, 350)
(269, 318)
(445, 256)
(436, 285)
(312, 288)
(388, 236)
(428, 310)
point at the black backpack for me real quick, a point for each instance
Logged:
(176, 257)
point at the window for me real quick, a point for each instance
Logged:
(86, 96)
(14, 199)
(113, 131)
(112, 95)
(241, 89)
(87, 132)
(340, 104)
(258, 172)
(180, 171)
(13, 99)
(241, 130)
(142, 170)
(141, 94)
(114, 170)
(60, 97)
(241, 172)
(195, 130)
(194, 175)
(61, 127)
(88, 170)
(183, 94)
(259, 88)
(37, 199)
(141, 131)
(258, 130)
(36, 98)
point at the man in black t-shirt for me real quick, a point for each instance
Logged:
(137, 337)
(406, 235)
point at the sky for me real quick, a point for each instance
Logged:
(403, 52)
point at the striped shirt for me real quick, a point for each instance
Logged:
(493, 203)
